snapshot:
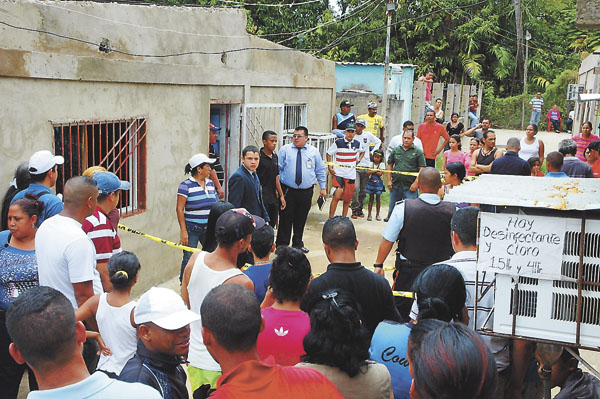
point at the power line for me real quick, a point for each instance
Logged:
(334, 21)
(403, 21)
(269, 5)
(149, 55)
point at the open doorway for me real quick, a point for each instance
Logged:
(226, 117)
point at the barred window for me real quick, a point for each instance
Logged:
(117, 145)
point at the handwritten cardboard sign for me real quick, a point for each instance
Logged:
(529, 246)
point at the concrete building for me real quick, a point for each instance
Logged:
(361, 83)
(133, 88)
(589, 77)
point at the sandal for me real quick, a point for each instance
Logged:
(369, 218)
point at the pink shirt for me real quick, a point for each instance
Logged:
(283, 335)
(468, 157)
(454, 157)
(553, 114)
(582, 144)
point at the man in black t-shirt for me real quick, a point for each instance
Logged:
(268, 174)
(371, 291)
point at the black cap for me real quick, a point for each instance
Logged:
(346, 103)
(236, 224)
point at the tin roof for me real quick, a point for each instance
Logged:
(530, 192)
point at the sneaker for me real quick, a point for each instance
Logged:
(385, 220)
(369, 218)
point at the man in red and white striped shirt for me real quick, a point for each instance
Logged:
(345, 153)
(99, 228)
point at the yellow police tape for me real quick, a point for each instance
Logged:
(169, 243)
(373, 169)
(190, 249)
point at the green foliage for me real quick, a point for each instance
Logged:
(505, 112)
(462, 41)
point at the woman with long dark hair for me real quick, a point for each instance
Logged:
(19, 182)
(285, 324)
(18, 272)
(195, 196)
(450, 361)
(218, 208)
(440, 294)
(338, 346)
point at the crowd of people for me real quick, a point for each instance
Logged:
(68, 319)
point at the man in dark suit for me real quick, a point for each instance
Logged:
(245, 190)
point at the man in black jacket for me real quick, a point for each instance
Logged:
(245, 190)
(163, 323)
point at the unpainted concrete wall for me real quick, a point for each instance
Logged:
(45, 79)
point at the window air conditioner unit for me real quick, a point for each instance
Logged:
(547, 309)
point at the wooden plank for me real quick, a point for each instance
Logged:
(449, 108)
(464, 104)
(437, 92)
(456, 106)
(418, 102)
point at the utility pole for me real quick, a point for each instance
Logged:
(527, 39)
(390, 7)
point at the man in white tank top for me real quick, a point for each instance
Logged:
(205, 271)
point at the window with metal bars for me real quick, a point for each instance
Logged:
(117, 145)
(294, 115)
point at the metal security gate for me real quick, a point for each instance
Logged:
(261, 117)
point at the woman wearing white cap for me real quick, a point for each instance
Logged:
(195, 196)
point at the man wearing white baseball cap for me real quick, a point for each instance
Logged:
(163, 322)
(42, 168)
(98, 226)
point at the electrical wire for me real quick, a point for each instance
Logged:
(138, 26)
(316, 51)
(401, 22)
(337, 40)
(292, 4)
(334, 21)
(113, 50)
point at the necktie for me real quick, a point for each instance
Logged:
(299, 167)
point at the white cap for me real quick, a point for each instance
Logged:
(200, 159)
(163, 307)
(43, 161)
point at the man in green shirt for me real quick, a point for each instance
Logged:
(404, 158)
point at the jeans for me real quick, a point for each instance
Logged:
(196, 234)
(535, 118)
(473, 120)
(397, 194)
(360, 186)
(555, 124)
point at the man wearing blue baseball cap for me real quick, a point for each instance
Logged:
(99, 228)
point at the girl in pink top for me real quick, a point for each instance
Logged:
(454, 154)
(285, 324)
(473, 145)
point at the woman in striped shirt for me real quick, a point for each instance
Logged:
(195, 196)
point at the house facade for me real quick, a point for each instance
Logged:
(134, 87)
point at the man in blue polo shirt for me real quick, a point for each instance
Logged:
(42, 168)
(510, 163)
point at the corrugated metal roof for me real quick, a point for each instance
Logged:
(530, 192)
(374, 64)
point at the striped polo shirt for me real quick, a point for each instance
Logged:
(100, 230)
(537, 104)
(345, 153)
(198, 202)
(582, 144)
